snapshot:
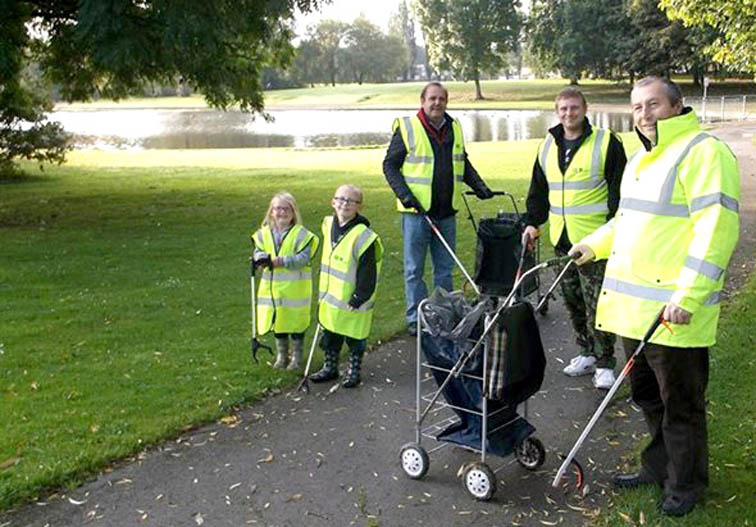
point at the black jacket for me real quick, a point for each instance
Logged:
(367, 271)
(443, 174)
(538, 195)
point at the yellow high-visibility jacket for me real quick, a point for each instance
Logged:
(418, 165)
(338, 277)
(284, 297)
(577, 198)
(672, 237)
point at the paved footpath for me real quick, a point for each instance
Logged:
(331, 458)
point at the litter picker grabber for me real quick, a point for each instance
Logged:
(625, 371)
(304, 384)
(254, 344)
(440, 236)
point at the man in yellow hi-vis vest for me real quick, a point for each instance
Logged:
(425, 163)
(575, 186)
(668, 248)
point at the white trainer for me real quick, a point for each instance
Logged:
(580, 365)
(603, 379)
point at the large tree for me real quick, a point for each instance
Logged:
(110, 48)
(735, 20)
(469, 37)
(402, 26)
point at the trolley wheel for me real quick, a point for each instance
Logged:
(479, 480)
(530, 453)
(414, 460)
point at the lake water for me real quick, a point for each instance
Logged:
(181, 128)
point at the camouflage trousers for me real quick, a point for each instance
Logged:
(581, 287)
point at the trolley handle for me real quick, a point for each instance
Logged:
(494, 193)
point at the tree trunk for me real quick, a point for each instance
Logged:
(478, 92)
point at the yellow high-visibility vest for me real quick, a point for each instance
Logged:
(284, 297)
(418, 165)
(338, 276)
(672, 237)
(577, 198)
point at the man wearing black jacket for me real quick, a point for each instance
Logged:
(424, 164)
(575, 186)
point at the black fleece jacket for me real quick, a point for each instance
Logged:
(367, 272)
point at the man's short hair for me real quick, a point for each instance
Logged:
(670, 88)
(437, 85)
(570, 93)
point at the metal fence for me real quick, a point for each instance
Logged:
(729, 108)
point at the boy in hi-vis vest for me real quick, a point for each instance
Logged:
(349, 269)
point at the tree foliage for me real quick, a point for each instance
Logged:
(110, 48)
(469, 37)
(735, 21)
(611, 38)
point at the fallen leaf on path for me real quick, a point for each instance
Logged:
(230, 420)
(294, 498)
(198, 519)
(9, 462)
(267, 459)
(76, 502)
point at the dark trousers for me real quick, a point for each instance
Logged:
(669, 384)
(333, 341)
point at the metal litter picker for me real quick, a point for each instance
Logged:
(625, 371)
(255, 345)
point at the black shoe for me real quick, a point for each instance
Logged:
(412, 329)
(676, 506)
(632, 481)
(325, 375)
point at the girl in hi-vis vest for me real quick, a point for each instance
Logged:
(284, 248)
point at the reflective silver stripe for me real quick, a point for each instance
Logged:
(654, 207)
(418, 180)
(259, 239)
(639, 291)
(545, 153)
(411, 158)
(703, 267)
(596, 159)
(581, 209)
(669, 184)
(347, 277)
(717, 198)
(713, 299)
(300, 238)
(283, 302)
(335, 302)
(289, 276)
(410, 135)
(361, 240)
(580, 185)
(459, 157)
(460, 178)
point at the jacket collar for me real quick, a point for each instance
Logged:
(670, 129)
(558, 131)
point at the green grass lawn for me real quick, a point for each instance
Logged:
(125, 292)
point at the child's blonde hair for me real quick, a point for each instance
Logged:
(352, 188)
(287, 198)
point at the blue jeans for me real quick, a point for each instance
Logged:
(417, 237)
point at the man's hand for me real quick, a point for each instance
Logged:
(411, 202)
(529, 236)
(582, 254)
(675, 314)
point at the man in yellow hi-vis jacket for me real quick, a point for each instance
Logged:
(668, 248)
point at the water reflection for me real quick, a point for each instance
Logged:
(171, 129)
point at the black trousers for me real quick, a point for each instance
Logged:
(669, 384)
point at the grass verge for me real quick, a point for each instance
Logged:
(731, 499)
